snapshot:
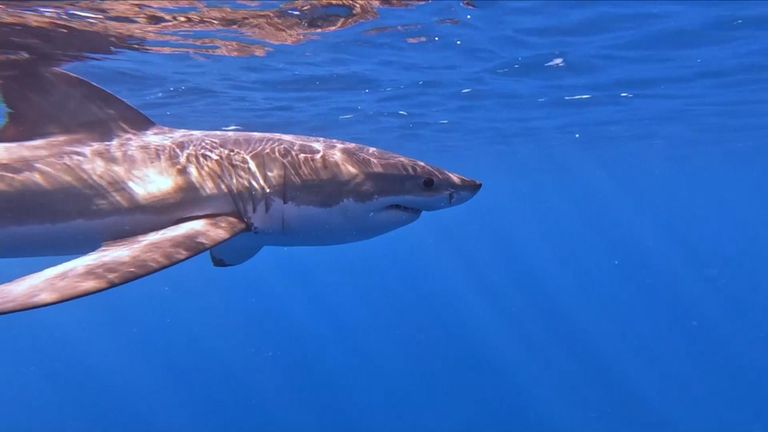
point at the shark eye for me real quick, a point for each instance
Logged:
(428, 182)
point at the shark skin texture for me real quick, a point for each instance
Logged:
(84, 173)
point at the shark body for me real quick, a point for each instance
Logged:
(84, 173)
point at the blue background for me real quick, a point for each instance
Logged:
(610, 276)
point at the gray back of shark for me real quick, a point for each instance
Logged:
(82, 172)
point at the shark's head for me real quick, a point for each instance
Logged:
(336, 192)
(397, 191)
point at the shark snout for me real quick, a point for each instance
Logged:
(463, 192)
(472, 186)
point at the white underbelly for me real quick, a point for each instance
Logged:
(73, 237)
(76, 237)
(349, 221)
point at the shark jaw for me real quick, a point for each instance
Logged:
(402, 208)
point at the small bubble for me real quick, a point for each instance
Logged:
(557, 62)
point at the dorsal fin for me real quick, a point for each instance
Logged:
(46, 102)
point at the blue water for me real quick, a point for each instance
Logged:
(610, 276)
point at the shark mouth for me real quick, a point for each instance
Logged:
(403, 208)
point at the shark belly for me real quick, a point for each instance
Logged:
(74, 237)
(80, 236)
(288, 224)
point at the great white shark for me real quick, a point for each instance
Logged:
(84, 173)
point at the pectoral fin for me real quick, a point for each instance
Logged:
(116, 263)
(236, 250)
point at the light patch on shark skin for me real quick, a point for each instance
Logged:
(151, 184)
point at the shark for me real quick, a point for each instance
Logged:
(85, 174)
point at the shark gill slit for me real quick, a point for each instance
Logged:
(266, 184)
(246, 187)
(230, 179)
(285, 198)
(246, 175)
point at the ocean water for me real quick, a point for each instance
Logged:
(610, 276)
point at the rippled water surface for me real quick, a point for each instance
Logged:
(610, 276)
